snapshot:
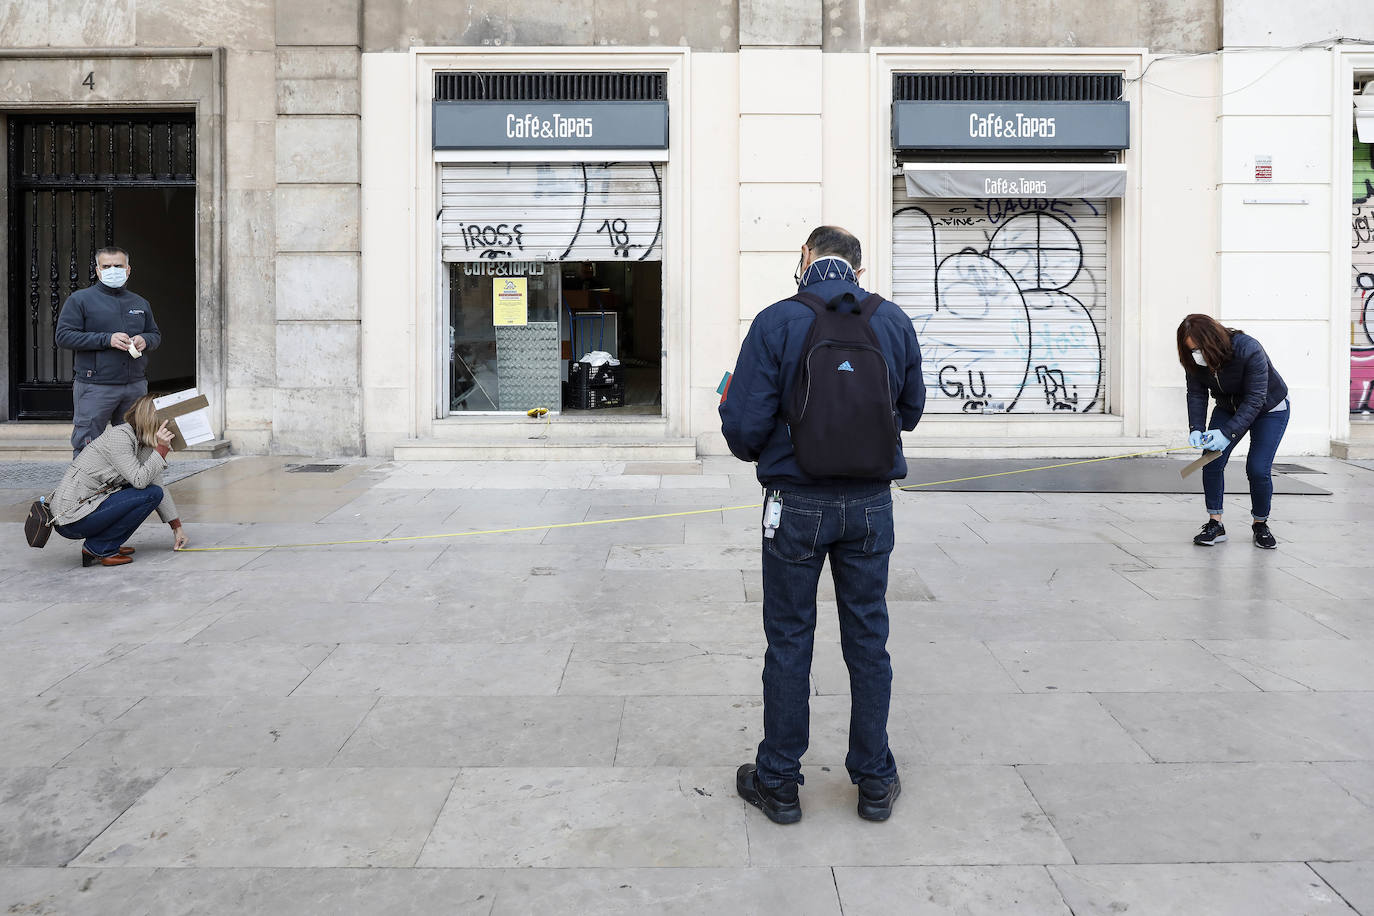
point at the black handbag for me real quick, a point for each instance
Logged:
(38, 525)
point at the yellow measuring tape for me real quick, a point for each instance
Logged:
(647, 518)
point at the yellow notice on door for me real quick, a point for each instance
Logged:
(509, 301)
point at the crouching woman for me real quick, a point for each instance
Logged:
(113, 485)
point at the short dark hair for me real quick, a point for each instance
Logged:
(113, 249)
(835, 242)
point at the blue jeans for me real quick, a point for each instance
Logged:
(1264, 445)
(114, 521)
(853, 527)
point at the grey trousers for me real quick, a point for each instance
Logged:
(95, 406)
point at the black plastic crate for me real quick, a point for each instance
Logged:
(593, 398)
(582, 376)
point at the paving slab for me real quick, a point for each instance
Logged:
(675, 621)
(1127, 666)
(250, 623)
(1186, 618)
(49, 815)
(975, 815)
(40, 731)
(28, 669)
(1356, 777)
(470, 669)
(1179, 728)
(173, 669)
(1351, 619)
(1354, 881)
(1019, 728)
(1220, 889)
(1325, 664)
(670, 891)
(590, 817)
(211, 731)
(110, 624)
(74, 891)
(485, 732)
(976, 890)
(657, 669)
(283, 818)
(1201, 812)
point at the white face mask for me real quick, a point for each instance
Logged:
(1197, 358)
(114, 277)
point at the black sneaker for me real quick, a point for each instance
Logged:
(876, 798)
(1263, 536)
(1214, 532)
(782, 805)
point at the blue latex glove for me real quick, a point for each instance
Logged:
(1195, 438)
(1214, 440)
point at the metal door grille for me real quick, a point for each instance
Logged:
(63, 172)
(1006, 87)
(507, 86)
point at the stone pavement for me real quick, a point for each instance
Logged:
(1092, 716)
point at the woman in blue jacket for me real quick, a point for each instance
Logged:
(1251, 396)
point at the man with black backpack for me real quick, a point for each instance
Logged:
(824, 385)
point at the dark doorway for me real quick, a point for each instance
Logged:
(77, 183)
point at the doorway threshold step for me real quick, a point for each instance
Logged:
(53, 448)
(523, 448)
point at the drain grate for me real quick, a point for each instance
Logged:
(1295, 469)
(312, 468)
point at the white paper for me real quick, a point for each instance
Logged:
(194, 426)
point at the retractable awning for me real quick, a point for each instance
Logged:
(1015, 179)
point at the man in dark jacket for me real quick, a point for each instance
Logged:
(806, 520)
(109, 328)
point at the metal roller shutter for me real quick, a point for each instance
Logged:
(1009, 299)
(552, 212)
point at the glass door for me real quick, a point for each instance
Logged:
(504, 336)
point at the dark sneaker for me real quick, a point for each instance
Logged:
(876, 798)
(782, 805)
(1263, 536)
(1214, 532)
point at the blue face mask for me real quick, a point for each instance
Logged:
(114, 277)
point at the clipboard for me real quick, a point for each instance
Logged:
(180, 409)
(1199, 463)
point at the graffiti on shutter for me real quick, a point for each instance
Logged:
(552, 212)
(1362, 287)
(1009, 300)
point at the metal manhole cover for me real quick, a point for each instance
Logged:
(312, 468)
(1295, 469)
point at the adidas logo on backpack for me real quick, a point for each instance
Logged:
(843, 423)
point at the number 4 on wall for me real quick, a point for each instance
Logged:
(89, 81)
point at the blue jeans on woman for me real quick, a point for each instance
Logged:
(1264, 445)
(114, 521)
(853, 527)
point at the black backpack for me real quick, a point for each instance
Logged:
(840, 416)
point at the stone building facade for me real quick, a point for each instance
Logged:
(330, 309)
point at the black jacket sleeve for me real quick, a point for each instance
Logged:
(750, 410)
(1254, 392)
(71, 333)
(1197, 401)
(911, 403)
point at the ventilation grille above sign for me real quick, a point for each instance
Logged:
(1006, 87)
(508, 86)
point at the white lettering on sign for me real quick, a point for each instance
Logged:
(1001, 187)
(557, 127)
(1015, 127)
